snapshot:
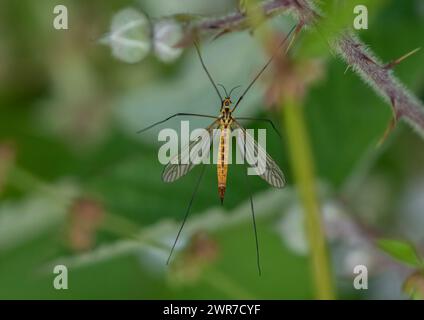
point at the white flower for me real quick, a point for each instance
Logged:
(166, 34)
(130, 36)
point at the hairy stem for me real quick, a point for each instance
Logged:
(404, 104)
(380, 76)
(237, 20)
(303, 169)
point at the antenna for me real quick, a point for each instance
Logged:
(225, 90)
(231, 91)
(264, 68)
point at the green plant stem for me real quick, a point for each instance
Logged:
(303, 170)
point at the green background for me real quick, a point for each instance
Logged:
(69, 112)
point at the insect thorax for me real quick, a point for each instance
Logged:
(226, 118)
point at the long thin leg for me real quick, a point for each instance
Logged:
(207, 71)
(186, 214)
(262, 119)
(263, 69)
(258, 260)
(173, 116)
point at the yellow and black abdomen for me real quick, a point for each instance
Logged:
(222, 163)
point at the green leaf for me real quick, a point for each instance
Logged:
(402, 251)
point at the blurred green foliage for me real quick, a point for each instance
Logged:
(70, 113)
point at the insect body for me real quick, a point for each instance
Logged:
(188, 158)
(184, 162)
(222, 165)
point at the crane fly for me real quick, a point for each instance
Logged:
(224, 124)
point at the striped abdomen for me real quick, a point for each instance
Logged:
(222, 164)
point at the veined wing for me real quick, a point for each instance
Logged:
(255, 154)
(190, 155)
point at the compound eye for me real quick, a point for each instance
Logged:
(227, 103)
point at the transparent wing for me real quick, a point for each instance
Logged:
(258, 159)
(191, 155)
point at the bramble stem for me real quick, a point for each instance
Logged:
(362, 60)
(404, 104)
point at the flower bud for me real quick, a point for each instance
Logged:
(130, 36)
(166, 34)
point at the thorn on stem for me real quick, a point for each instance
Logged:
(219, 34)
(392, 124)
(389, 129)
(394, 63)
